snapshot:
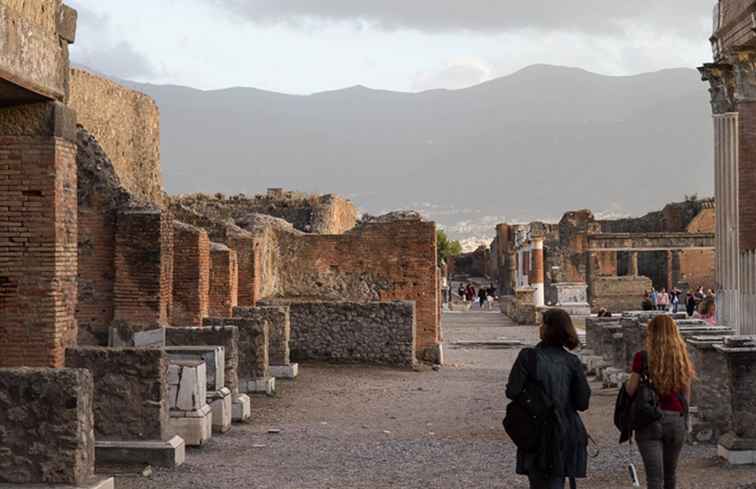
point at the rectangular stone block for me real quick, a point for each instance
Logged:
(170, 453)
(46, 426)
(253, 346)
(212, 356)
(187, 385)
(221, 402)
(195, 427)
(241, 408)
(279, 321)
(225, 336)
(131, 391)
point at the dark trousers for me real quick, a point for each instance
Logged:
(538, 483)
(660, 445)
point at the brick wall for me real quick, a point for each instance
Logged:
(191, 275)
(143, 290)
(747, 175)
(379, 261)
(618, 293)
(38, 234)
(224, 281)
(127, 125)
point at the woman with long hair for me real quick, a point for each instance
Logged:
(562, 377)
(666, 363)
(707, 311)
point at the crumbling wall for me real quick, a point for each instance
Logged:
(127, 125)
(376, 333)
(326, 214)
(191, 275)
(618, 294)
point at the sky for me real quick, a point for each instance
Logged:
(308, 46)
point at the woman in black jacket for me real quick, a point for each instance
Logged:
(564, 382)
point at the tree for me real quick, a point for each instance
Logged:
(447, 248)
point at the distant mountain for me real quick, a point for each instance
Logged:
(526, 146)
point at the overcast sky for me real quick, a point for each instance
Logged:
(305, 46)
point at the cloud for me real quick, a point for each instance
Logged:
(454, 76)
(97, 49)
(589, 16)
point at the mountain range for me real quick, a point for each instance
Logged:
(527, 146)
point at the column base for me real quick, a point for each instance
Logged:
(290, 371)
(261, 386)
(170, 453)
(95, 483)
(221, 403)
(737, 451)
(241, 409)
(195, 427)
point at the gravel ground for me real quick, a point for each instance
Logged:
(354, 427)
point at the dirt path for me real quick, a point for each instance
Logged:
(358, 427)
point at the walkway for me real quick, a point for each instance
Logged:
(358, 427)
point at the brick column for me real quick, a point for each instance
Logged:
(38, 235)
(537, 274)
(191, 275)
(143, 289)
(224, 281)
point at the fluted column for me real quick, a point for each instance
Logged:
(537, 273)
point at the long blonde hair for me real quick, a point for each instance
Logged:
(669, 364)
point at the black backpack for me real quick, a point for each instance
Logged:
(529, 415)
(645, 407)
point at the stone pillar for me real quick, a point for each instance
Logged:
(711, 401)
(278, 319)
(676, 268)
(633, 268)
(191, 275)
(512, 272)
(38, 235)
(224, 281)
(143, 289)
(537, 274)
(668, 269)
(738, 446)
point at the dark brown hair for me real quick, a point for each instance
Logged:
(558, 330)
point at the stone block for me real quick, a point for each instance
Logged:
(241, 408)
(131, 391)
(221, 403)
(170, 453)
(187, 385)
(212, 356)
(279, 323)
(253, 347)
(736, 450)
(195, 427)
(290, 371)
(46, 426)
(93, 483)
(266, 386)
(225, 336)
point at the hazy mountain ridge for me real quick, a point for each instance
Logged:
(538, 142)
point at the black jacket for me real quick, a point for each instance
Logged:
(563, 378)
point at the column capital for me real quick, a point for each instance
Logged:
(722, 86)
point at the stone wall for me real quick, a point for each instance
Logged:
(225, 336)
(38, 233)
(374, 333)
(46, 426)
(326, 214)
(127, 125)
(618, 294)
(191, 275)
(131, 391)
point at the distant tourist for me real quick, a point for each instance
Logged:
(665, 367)
(647, 304)
(708, 312)
(699, 296)
(690, 304)
(561, 451)
(710, 294)
(675, 299)
(663, 300)
(483, 297)
(461, 292)
(654, 298)
(604, 313)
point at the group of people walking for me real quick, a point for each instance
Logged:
(484, 296)
(549, 385)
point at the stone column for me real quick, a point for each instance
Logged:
(38, 235)
(633, 268)
(511, 280)
(537, 274)
(669, 270)
(738, 446)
